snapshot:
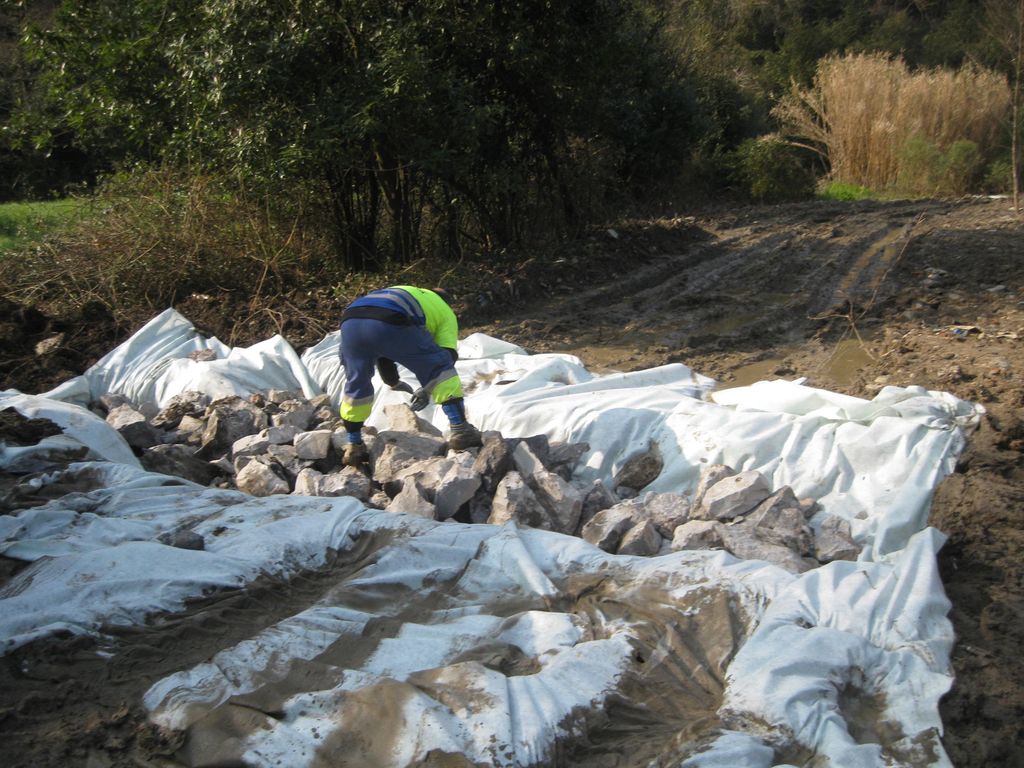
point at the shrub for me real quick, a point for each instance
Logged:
(842, 192)
(770, 170)
(925, 170)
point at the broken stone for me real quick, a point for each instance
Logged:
(538, 445)
(259, 479)
(400, 417)
(608, 527)
(709, 476)
(250, 445)
(456, 488)
(347, 482)
(514, 500)
(190, 430)
(563, 501)
(183, 540)
(809, 507)
(640, 469)
(834, 540)
(411, 500)
(280, 435)
(779, 520)
(307, 482)
(295, 413)
(666, 511)
(229, 419)
(133, 427)
(378, 500)
(320, 401)
(279, 396)
(179, 461)
(563, 458)
(745, 544)
(642, 539)
(493, 461)
(48, 345)
(697, 534)
(598, 498)
(479, 508)
(394, 451)
(733, 496)
(312, 445)
(426, 472)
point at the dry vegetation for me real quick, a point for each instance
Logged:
(863, 110)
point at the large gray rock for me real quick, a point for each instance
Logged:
(183, 539)
(596, 499)
(709, 476)
(779, 519)
(401, 418)
(411, 500)
(640, 469)
(180, 461)
(188, 403)
(666, 511)
(312, 445)
(190, 430)
(697, 534)
(563, 457)
(457, 487)
(278, 396)
(514, 500)
(259, 479)
(426, 472)
(133, 427)
(493, 461)
(834, 540)
(250, 445)
(280, 435)
(607, 528)
(642, 539)
(393, 451)
(307, 482)
(227, 420)
(295, 413)
(346, 482)
(746, 545)
(733, 496)
(562, 500)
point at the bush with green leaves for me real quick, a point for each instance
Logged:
(771, 170)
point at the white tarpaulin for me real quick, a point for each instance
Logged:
(514, 646)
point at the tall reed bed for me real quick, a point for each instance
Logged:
(863, 111)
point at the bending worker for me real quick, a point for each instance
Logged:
(411, 326)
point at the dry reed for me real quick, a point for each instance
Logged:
(863, 109)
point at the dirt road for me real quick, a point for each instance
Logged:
(852, 297)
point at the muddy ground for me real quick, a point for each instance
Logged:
(849, 296)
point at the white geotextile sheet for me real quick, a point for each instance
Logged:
(877, 627)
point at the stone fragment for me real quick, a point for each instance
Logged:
(202, 355)
(834, 540)
(320, 401)
(111, 400)
(393, 451)
(514, 500)
(563, 501)
(280, 435)
(378, 500)
(180, 461)
(133, 427)
(279, 396)
(607, 528)
(259, 479)
(479, 508)
(666, 511)
(307, 482)
(400, 417)
(312, 445)
(779, 520)
(493, 461)
(411, 500)
(426, 472)
(250, 445)
(697, 534)
(741, 541)
(809, 507)
(733, 496)
(346, 482)
(190, 430)
(296, 413)
(538, 445)
(456, 488)
(598, 498)
(563, 457)
(640, 469)
(183, 539)
(227, 420)
(709, 476)
(642, 539)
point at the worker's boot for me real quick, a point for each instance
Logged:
(463, 434)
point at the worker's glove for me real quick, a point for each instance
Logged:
(402, 387)
(354, 455)
(420, 399)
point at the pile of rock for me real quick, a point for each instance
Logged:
(281, 443)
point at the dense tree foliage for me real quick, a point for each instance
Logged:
(426, 126)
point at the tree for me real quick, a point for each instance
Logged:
(1004, 23)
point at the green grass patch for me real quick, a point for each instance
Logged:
(840, 191)
(22, 224)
